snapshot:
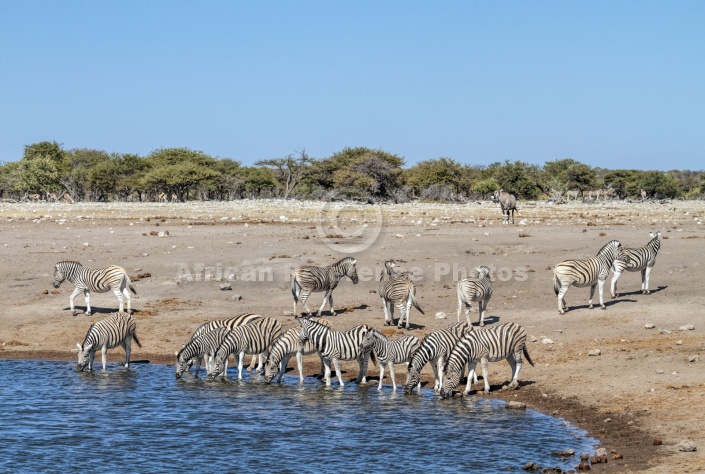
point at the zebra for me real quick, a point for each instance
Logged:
(284, 348)
(119, 329)
(308, 279)
(254, 338)
(505, 341)
(203, 345)
(229, 323)
(398, 290)
(86, 280)
(435, 348)
(335, 346)
(590, 272)
(507, 202)
(475, 289)
(641, 259)
(389, 353)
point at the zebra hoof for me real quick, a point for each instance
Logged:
(74, 312)
(88, 313)
(603, 307)
(590, 307)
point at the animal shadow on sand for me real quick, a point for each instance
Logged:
(94, 310)
(638, 292)
(597, 305)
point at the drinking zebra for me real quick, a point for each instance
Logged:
(335, 346)
(590, 272)
(254, 338)
(388, 352)
(99, 281)
(288, 345)
(505, 341)
(435, 348)
(308, 279)
(398, 290)
(641, 259)
(228, 323)
(118, 329)
(202, 346)
(475, 289)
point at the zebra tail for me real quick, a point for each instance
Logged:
(413, 301)
(132, 288)
(134, 338)
(526, 355)
(295, 289)
(556, 283)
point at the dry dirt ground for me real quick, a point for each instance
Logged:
(641, 387)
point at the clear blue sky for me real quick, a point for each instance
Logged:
(617, 84)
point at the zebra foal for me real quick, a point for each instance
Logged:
(335, 346)
(591, 272)
(397, 290)
(116, 330)
(254, 338)
(641, 259)
(505, 341)
(435, 348)
(99, 281)
(286, 346)
(203, 345)
(475, 289)
(308, 279)
(388, 352)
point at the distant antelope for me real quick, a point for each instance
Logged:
(67, 198)
(643, 195)
(572, 195)
(51, 197)
(508, 202)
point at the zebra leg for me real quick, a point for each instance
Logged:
(120, 298)
(601, 287)
(481, 307)
(646, 274)
(441, 363)
(330, 300)
(91, 356)
(304, 297)
(284, 363)
(392, 375)
(401, 317)
(408, 311)
(104, 354)
(87, 295)
(516, 368)
(75, 293)
(434, 367)
(326, 374)
(460, 304)
(485, 370)
(126, 345)
(592, 293)
(126, 292)
(562, 304)
(386, 312)
(471, 376)
(299, 365)
(613, 284)
(325, 299)
(381, 374)
(336, 364)
(240, 358)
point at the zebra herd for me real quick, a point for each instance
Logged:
(449, 350)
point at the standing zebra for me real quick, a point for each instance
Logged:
(86, 280)
(398, 290)
(335, 346)
(507, 202)
(288, 345)
(203, 345)
(308, 279)
(118, 329)
(435, 348)
(389, 353)
(475, 289)
(229, 323)
(254, 338)
(590, 272)
(505, 341)
(641, 259)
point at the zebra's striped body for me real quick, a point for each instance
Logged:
(335, 346)
(309, 279)
(641, 259)
(203, 345)
(435, 348)
(475, 289)
(590, 272)
(389, 353)
(118, 329)
(288, 345)
(99, 281)
(254, 338)
(229, 323)
(398, 290)
(505, 341)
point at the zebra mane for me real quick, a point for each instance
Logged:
(611, 245)
(69, 262)
(346, 260)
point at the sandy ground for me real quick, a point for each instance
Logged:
(641, 387)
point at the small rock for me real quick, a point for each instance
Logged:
(658, 442)
(236, 297)
(601, 452)
(399, 236)
(225, 286)
(516, 405)
(565, 452)
(607, 420)
(687, 327)
(694, 358)
(679, 342)
(617, 456)
(533, 338)
(153, 232)
(664, 331)
(659, 371)
(531, 466)
(583, 466)
(687, 446)
(595, 352)
(287, 313)
(584, 457)
(545, 340)
(649, 326)
(163, 233)
(441, 315)
(45, 292)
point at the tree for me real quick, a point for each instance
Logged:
(178, 179)
(46, 149)
(38, 175)
(79, 164)
(580, 177)
(10, 174)
(289, 171)
(518, 178)
(130, 170)
(258, 180)
(440, 172)
(659, 185)
(485, 187)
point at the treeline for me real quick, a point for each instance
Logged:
(47, 170)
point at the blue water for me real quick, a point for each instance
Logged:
(54, 419)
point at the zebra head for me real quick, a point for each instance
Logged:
(414, 378)
(59, 276)
(451, 379)
(182, 365)
(304, 330)
(368, 342)
(82, 358)
(217, 365)
(350, 270)
(270, 370)
(482, 271)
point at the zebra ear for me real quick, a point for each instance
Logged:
(354, 261)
